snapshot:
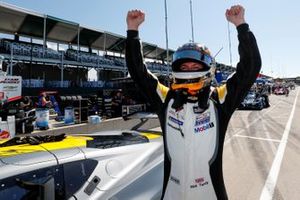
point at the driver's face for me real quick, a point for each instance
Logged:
(191, 66)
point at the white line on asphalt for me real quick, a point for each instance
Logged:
(257, 138)
(279, 117)
(250, 124)
(268, 190)
(268, 135)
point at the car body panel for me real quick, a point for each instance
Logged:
(68, 155)
(121, 169)
(23, 163)
(68, 142)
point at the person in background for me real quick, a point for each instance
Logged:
(193, 116)
(117, 104)
(43, 101)
(26, 103)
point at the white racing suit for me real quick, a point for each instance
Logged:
(193, 141)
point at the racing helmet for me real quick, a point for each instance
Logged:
(192, 81)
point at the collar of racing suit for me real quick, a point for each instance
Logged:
(181, 96)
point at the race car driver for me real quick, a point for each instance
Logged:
(193, 115)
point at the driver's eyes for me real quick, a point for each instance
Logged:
(184, 68)
(190, 67)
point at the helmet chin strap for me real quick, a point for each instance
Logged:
(203, 97)
(182, 96)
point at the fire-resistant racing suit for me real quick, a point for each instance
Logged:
(193, 140)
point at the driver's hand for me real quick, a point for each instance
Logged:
(134, 19)
(236, 15)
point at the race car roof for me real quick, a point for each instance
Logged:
(23, 22)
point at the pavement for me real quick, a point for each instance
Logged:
(261, 158)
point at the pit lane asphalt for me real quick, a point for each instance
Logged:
(260, 143)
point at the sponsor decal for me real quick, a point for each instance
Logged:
(176, 114)
(4, 134)
(172, 112)
(175, 180)
(176, 121)
(10, 87)
(199, 182)
(10, 80)
(204, 127)
(202, 119)
(203, 123)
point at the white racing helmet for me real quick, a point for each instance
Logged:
(192, 81)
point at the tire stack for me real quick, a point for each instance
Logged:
(107, 103)
(100, 105)
(95, 104)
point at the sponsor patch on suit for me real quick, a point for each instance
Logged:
(202, 119)
(199, 182)
(176, 121)
(204, 127)
(203, 123)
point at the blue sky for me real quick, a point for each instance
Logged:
(276, 25)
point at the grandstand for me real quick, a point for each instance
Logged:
(78, 49)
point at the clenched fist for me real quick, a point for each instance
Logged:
(134, 19)
(235, 15)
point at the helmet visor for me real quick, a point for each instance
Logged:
(192, 86)
(193, 55)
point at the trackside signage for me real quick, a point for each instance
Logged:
(10, 88)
